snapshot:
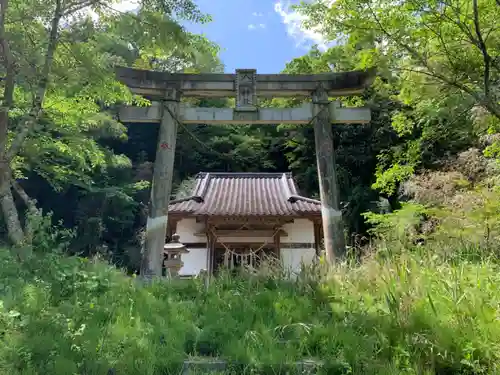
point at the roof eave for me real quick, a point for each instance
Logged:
(195, 198)
(295, 198)
(298, 215)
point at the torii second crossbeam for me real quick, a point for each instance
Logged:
(276, 116)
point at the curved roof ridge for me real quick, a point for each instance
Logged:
(244, 174)
(246, 194)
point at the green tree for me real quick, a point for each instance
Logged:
(441, 59)
(58, 87)
(452, 45)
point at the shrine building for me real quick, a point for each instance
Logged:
(233, 219)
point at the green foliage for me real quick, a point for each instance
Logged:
(427, 309)
(411, 313)
(67, 148)
(423, 109)
(388, 180)
(457, 206)
(474, 217)
(69, 152)
(436, 60)
(185, 188)
(46, 237)
(399, 225)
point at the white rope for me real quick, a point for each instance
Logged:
(251, 255)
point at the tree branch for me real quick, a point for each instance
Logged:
(444, 45)
(30, 203)
(421, 59)
(465, 29)
(484, 50)
(79, 6)
(481, 99)
(36, 110)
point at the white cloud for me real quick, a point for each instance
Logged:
(257, 14)
(294, 23)
(126, 5)
(121, 6)
(256, 26)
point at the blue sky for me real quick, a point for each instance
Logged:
(255, 34)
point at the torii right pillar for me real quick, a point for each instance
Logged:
(331, 213)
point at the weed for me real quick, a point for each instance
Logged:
(406, 313)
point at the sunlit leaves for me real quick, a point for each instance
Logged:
(66, 112)
(157, 41)
(430, 58)
(401, 123)
(388, 179)
(183, 9)
(102, 126)
(70, 160)
(66, 144)
(431, 38)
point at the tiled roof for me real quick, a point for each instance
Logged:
(245, 194)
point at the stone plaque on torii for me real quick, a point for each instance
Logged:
(165, 91)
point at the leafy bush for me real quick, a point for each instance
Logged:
(458, 208)
(399, 225)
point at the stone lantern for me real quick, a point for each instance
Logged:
(172, 253)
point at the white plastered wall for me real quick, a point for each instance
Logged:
(187, 228)
(196, 260)
(300, 231)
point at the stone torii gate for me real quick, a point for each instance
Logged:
(165, 91)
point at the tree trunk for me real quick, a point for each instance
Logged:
(32, 211)
(9, 210)
(7, 205)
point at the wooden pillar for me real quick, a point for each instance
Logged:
(277, 244)
(317, 238)
(161, 188)
(171, 229)
(331, 214)
(210, 251)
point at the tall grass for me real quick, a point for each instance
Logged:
(410, 313)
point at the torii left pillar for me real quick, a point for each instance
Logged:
(161, 189)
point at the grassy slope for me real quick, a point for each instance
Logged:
(411, 314)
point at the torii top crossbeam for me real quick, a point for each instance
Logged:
(152, 84)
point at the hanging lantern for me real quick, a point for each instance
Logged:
(172, 253)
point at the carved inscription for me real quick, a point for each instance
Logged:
(246, 90)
